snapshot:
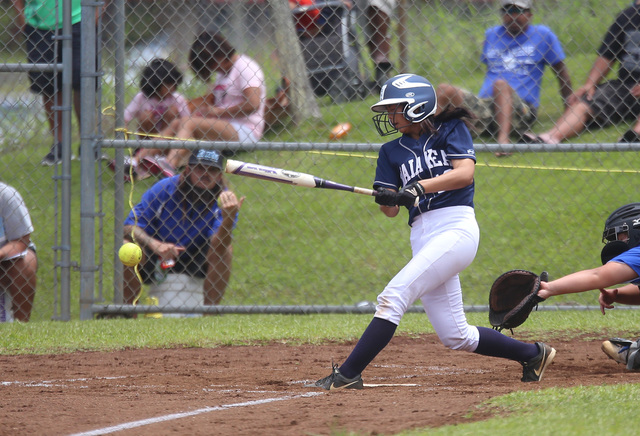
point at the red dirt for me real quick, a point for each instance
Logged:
(81, 392)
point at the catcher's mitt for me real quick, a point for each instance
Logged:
(512, 298)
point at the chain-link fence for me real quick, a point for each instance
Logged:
(313, 69)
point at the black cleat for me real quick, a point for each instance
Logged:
(338, 381)
(533, 370)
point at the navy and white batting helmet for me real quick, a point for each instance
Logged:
(625, 219)
(415, 92)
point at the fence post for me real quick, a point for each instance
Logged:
(87, 160)
(118, 206)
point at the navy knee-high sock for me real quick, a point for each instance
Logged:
(373, 340)
(494, 343)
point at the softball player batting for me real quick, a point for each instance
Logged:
(433, 161)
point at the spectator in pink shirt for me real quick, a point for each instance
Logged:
(156, 105)
(234, 108)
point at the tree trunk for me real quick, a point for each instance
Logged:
(304, 105)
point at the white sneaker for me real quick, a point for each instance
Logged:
(619, 349)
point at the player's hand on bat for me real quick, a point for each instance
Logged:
(230, 204)
(607, 298)
(408, 195)
(386, 197)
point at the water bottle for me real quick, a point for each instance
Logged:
(161, 270)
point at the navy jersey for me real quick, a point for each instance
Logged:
(406, 160)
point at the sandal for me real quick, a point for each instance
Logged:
(532, 138)
(629, 137)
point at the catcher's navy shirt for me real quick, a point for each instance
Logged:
(406, 160)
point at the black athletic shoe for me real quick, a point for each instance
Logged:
(533, 370)
(338, 381)
(54, 157)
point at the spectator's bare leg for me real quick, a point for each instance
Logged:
(77, 99)
(212, 129)
(571, 123)
(503, 107)
(636, 126)
(178, 157)
(18, 277)
(449, 95)
(54, 117)
(54, 124)
(379, 26)
(168, 132)
(132, 285)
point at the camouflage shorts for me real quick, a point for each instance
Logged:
(524, 115)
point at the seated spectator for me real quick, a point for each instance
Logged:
(601, 103)
(510, 95)
(18, 261)
(233, 110)
(184, 226)
(156, 105)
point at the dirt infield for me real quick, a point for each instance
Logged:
(261, 389)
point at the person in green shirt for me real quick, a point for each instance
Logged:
(39, 23)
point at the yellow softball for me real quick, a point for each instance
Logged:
(130, 254)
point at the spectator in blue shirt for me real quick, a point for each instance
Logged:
(186, 221)
(515, 54)
(600, 102)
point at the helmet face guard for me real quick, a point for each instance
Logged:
(383, 123)
(611, 234)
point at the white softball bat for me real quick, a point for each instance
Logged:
(288, 177)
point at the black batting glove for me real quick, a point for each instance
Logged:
(408, 195)
(386, 197)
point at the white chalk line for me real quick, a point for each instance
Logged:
(59, 382)
(143, 422)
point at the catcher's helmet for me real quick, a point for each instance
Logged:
(415, 92)
(625, 219)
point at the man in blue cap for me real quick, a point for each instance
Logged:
(184, 225)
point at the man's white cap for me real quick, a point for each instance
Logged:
(524, 4)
